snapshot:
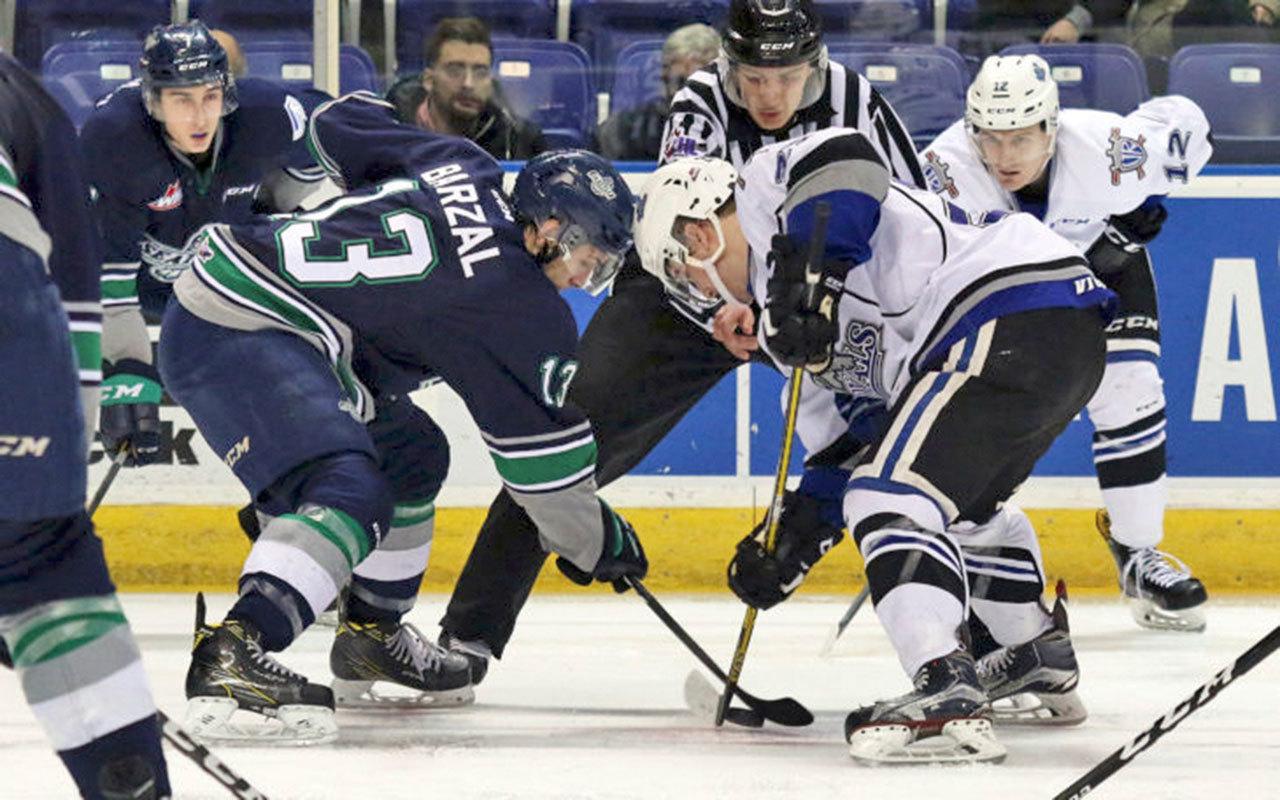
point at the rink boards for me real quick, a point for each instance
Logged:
(1218, 272)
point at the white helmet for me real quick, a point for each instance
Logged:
(1012, 92)
(688, 188)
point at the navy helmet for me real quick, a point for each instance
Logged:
(588, 197)
(185, 55)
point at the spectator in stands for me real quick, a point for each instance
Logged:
(235, 56)
(1264, 12)
(636, 133)
(1148, 26)
(456, 94)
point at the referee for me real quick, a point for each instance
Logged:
(646, 359)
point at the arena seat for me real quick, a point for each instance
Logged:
(40, 24)
(80, 72)
(1099, 75)
(290, 62)
(925, 84)
(1238, 86)
(550, 83)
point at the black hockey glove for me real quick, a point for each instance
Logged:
(622, 556)
(798, 334)
(1120, 245)
(129, 419)
(761, 580)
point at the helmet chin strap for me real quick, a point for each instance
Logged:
(708, 265)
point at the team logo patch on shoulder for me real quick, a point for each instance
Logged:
(171, 199)
(679, 147)
(937, 175)
(1127, 155)
(602, 185)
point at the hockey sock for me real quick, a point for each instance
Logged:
(1006, 577)
(122, 763)
(82, 675)
(274, 608)
(385, 585)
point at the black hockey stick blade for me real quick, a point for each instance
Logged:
(783, 711)
(1206, 692)
(207, 761)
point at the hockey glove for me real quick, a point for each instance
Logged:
(130, 417)
(1120, 245)
(622, 556)
(797, 334)
(761, 580)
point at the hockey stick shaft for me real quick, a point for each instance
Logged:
(207, 761)
(817, 244)
(845, 620)
(784, 711)
(107, 480)
(1206, 692)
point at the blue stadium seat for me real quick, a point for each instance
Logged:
(925, 84)
(638, 75)
(290, 62)
(273, 20)
(605, 27)
(848, 20)
(40, 24)
(550, 83)
(1108, 77)
(80, 72)
(1238, 86)
(413, 20)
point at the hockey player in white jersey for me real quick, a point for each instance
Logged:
(983, 340)
(1097, 179)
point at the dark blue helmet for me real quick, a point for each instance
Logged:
(185, 55)
(590, 200)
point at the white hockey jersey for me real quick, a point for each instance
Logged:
(924, 278)
(1104, 165)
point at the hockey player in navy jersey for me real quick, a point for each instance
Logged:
(187, 145)
(1082, 172)
(983, 340)
(61, 625)
(290, 333)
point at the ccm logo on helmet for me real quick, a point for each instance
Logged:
(776, 47)
(193, 65)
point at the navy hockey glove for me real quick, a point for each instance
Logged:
(1120, 245)
(761, 580)
(799, 334)
(622, 556)
(130, 416)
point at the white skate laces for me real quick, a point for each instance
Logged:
(264, 659)
(1151, 567)
(993, 664)
(408, 646)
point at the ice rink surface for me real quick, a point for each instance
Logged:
(588, 704)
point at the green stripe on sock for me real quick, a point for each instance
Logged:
(88, 347)
(49, 636)
(407, 514)
(545, 469)
(119, 288)
(339, 529)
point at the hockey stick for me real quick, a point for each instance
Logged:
(207, 761)
(822, 213)
(1207, 691)
(849, 613)
(107, 480)
(784, 711)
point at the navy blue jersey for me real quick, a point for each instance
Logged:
(150, 198)
(420, 271)
(41, 173)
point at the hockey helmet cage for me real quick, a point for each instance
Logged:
(688, 188)
(185, 54)
(589, 198)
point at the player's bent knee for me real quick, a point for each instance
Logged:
(352, 484)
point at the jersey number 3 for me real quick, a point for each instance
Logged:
(410, 256)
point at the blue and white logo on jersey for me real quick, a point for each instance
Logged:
(1127, 155)
(857, 366)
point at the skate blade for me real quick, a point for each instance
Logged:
(371, 695)
(220, 720)
(1032, 708)
(961, 741)
(1151, 616)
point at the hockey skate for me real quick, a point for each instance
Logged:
(1162, 593)
(947, 719)
(369, 657)
(238, 693)
(476, 652)
(1035, 683)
